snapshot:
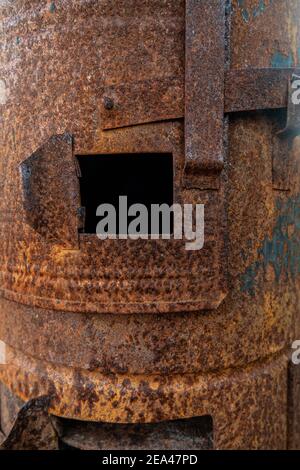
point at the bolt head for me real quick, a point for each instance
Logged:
(108, 103)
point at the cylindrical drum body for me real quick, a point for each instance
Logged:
(147, 331)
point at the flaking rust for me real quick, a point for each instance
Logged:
(135, 332)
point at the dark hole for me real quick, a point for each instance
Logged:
(189, 434)
(144, 178)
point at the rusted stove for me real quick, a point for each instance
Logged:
(193, 100)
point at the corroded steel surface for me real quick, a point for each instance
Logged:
(57, 65)
(51, 203)
(164, 99)
(55, 97)
(142, 344)
(250, 90)
(294, 407)
(125, 276)
(231, 397)
(282, 153)
(144, 101)
(204, 93)
(264, 34)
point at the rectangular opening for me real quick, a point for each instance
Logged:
(189, 434)
(145, 178)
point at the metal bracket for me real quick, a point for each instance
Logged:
(204, 93)
(51, 195)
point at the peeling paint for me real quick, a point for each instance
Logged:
(282, 251)
(245, 15)
(249, 278)
(260, 9)
(52, 7)
(280, 60)
(254, 13)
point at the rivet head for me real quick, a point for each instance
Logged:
(108, 103)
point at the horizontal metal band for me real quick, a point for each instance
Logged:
(164, 98)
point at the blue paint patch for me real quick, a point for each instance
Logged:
(228, 7)
(255, 13)
(260, 9)
(282, 251)
(18, 40)
(52, 7)
(245, 15)
(249, 279)
(280, 60)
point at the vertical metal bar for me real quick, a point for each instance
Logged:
(204, 92)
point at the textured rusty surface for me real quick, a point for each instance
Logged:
(55, 67)
(124, 276)
(253, 89)
(141, 344)
(293, 407)
(255, 320)
(163, 99)
(282, 153)
(230, 397)
(40, 274)
(140, 102)
(204, 93)
(264, 33)
(51, 192)
(46, 276)
(189, 434)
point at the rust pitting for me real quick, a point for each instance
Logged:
(193, 344)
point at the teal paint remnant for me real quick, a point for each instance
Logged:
(280, 60)
(281, 251)
(52, 7)
(228, 6)
(249, 279)
(260, 9)
(245, 15)
(18, 40)
(255, 13)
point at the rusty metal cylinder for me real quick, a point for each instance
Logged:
(144, 331)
